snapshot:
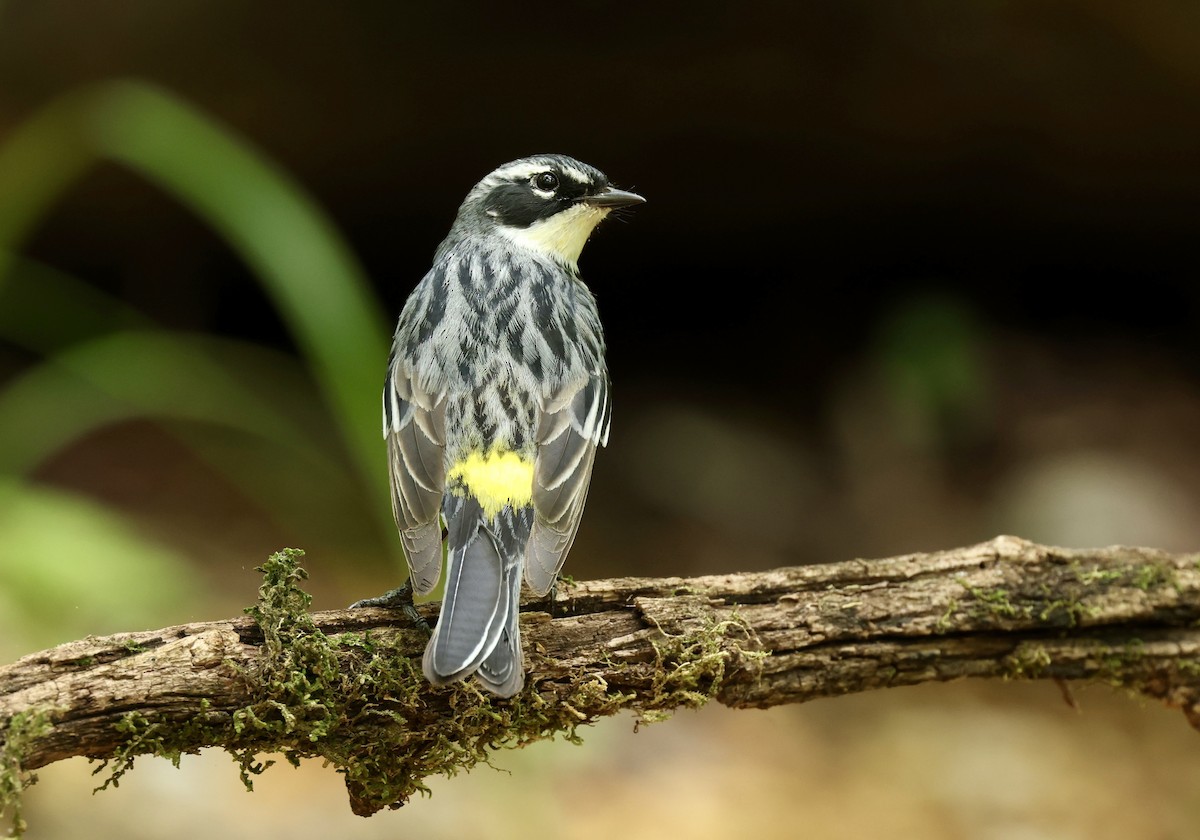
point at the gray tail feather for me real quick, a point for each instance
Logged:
(477, 631)
(475, 606)
(503, 672)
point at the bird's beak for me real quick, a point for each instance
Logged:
(610, 199)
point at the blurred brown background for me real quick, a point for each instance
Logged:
(910, 275)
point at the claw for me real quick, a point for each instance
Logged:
(400, 598)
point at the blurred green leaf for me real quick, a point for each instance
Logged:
(278, 230)
(68, 567)
(931, 350)
(132, 374)
(43, 309)
(175, 378)
(294, 250)
(41, 158)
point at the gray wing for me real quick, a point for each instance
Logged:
(414, 425)
(572, 424)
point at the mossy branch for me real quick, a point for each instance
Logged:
(345, 685)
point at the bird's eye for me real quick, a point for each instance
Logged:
(546, 181)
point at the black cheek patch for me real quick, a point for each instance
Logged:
(516, 205)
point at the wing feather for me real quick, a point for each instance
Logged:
(570, 428)
(415, 430)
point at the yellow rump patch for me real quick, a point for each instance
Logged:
(496, 480)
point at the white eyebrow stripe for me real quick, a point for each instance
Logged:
(577, 174)
(521, 171)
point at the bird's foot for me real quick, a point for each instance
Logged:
(400, 598)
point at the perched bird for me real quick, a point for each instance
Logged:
(495, 401)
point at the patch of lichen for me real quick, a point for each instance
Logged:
(690, 667)
(15, 736)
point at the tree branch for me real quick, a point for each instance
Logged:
(346, 685)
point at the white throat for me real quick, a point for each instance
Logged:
(561, 236)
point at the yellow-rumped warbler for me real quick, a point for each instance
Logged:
(495, 401)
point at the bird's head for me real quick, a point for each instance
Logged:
(546, 203)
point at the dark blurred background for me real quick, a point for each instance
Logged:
(909, 275)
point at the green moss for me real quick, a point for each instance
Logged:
(1066, 612)
(690, 668)
(996, 602)
(1028, 661)
(944, 621)
(364, 707)
(1144, 576)
(1096, 574)
(1120, 666)
(339, 698)
(1152, 575)
(1038, 605)
(169, 739)
(1188, 667)
(15, 737)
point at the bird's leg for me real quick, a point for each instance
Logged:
(399, 598)
(552, 597)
